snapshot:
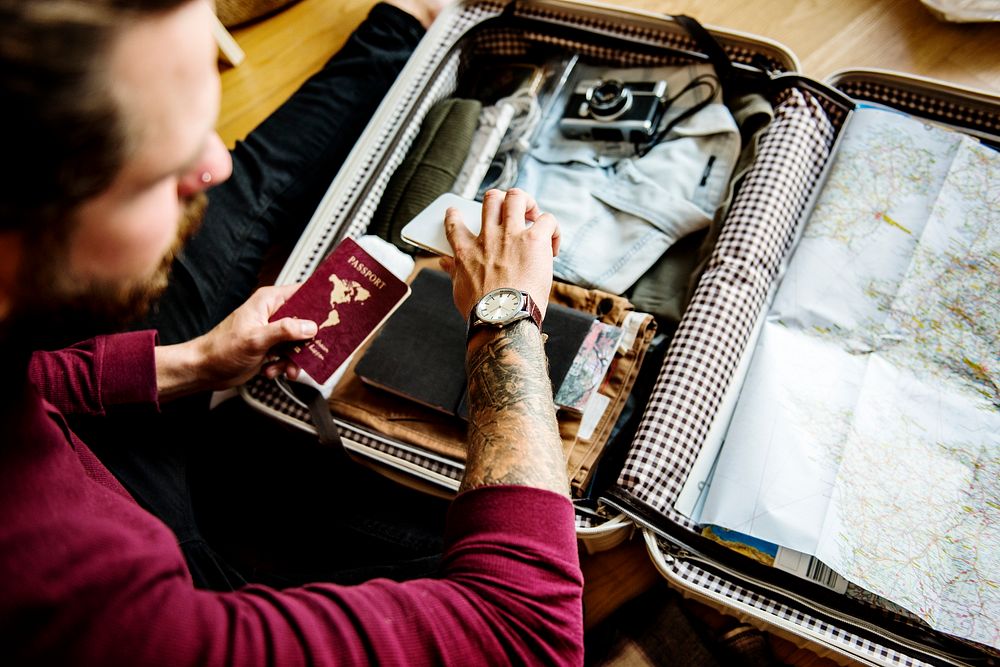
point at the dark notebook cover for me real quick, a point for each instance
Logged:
(420, 352)
(349, 296)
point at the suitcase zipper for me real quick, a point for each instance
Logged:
(673, 552)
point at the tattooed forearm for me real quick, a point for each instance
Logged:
(513, 434)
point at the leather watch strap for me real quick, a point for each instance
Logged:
(534, 312)
(530, 310)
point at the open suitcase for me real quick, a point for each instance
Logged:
(686, 402)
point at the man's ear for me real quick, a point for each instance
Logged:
(11, 251)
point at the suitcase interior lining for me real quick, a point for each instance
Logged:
(863, 633)
(492, 39)
(945, 108)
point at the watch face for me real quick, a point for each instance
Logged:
(499, 305)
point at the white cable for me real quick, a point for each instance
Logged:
(493, 124)
(504, 132)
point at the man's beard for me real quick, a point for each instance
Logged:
(55, 309)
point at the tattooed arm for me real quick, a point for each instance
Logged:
(513, 435)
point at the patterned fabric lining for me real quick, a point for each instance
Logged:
(934, 108)
(703, 580)
(713, 334)
(509, 43)
(635, 33)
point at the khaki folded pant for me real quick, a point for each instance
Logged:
(445, 435)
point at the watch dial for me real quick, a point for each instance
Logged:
(499, 306)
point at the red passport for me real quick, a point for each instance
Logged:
(349, 296)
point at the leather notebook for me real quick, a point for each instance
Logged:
(420, 352)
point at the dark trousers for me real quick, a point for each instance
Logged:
(248, 499)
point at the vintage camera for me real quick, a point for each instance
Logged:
(612, 110)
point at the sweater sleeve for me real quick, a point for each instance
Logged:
(510, 593)
(91, 376)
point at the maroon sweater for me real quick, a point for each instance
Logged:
(89, 577)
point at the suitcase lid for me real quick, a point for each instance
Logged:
(975, 112)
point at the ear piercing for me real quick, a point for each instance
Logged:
(206, 177)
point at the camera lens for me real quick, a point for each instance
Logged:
(608, 99)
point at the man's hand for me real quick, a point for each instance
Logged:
(513, 433)
(235, 350)
(507, 252)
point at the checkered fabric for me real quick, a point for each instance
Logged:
(509, 43)
(686, 573)
(941, 107)
(512, 44)
(714, 332)
(645, 31)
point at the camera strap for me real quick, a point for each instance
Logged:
(702, 81)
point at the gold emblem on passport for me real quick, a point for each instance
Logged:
(343, 291)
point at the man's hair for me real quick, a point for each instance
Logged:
(63, 136)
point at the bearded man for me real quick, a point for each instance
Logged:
(108, 118)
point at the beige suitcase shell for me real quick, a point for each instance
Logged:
(687, 406)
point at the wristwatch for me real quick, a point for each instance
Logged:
(501, 307)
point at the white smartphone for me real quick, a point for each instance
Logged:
(427, 229)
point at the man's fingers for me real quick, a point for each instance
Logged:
(275, 296)
(547, 224)
(493, 203)
(531, 210)
(515, 208)
(285, 330)
(455, 229)
(285, 291)
(273, 369)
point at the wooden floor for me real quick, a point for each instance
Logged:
(826, 35)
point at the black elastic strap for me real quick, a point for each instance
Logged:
(710, 46)
(327, 431)
(319, 412)
(735, 80)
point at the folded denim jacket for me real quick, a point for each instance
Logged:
(619, 212)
